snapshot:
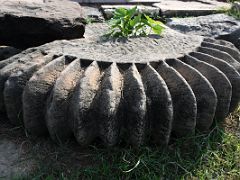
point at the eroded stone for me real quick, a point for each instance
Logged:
(173, 8)
(29, 23)
(135, 90)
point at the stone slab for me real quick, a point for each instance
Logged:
(108, 10)
(210, 25)
(30, 23)
(171, 8)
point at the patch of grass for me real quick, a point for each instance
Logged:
(215, 155)
(234, 12)
(231, 11)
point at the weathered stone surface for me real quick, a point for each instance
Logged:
(83, 120)
(220, 54)
(135, 107)
(211, 25)
(205, 95)
(36, 92)
(135, 90)
(184, 101)
(159, 101)
(173, 8)
(219, 82)
(233, 37)
(92, 13)
(106, 105)
(29, 23)
(14, 88)
(123, 50)
(228, 70)
(58, 102)
(108, 10)
(7, 51)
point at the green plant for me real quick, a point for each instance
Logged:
(234, 12)
(130, 22)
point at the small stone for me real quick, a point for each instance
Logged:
(92, 14)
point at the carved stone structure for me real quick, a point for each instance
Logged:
(136, 90)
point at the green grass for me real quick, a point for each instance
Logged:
(208, 156)
(231, 11)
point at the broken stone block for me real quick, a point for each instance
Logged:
(175, 8)
(211, 25)
(29, 23)
(92, 14)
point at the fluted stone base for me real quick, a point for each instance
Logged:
(145, 89)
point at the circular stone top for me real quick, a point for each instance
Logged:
(132, 50)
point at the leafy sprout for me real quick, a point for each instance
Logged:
(130, 22)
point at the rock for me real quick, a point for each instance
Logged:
(173, 8)
(212, 25)
(29, 23)
(137, 90)
(7, 51)
(151, 11)
(92, 14)
(233, 37)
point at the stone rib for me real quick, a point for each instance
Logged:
(82, 117)
(14, 88)
(159, 106)
(135, 109)
(221, 55)
(106, 105)
(219, 82)
(15, 67)
(231, 51)
(203, 91)
(220, 42)
(229, 71)
(36, 92)
(58, 102)
(184, 101)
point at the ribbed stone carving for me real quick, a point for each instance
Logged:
(140, 90)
